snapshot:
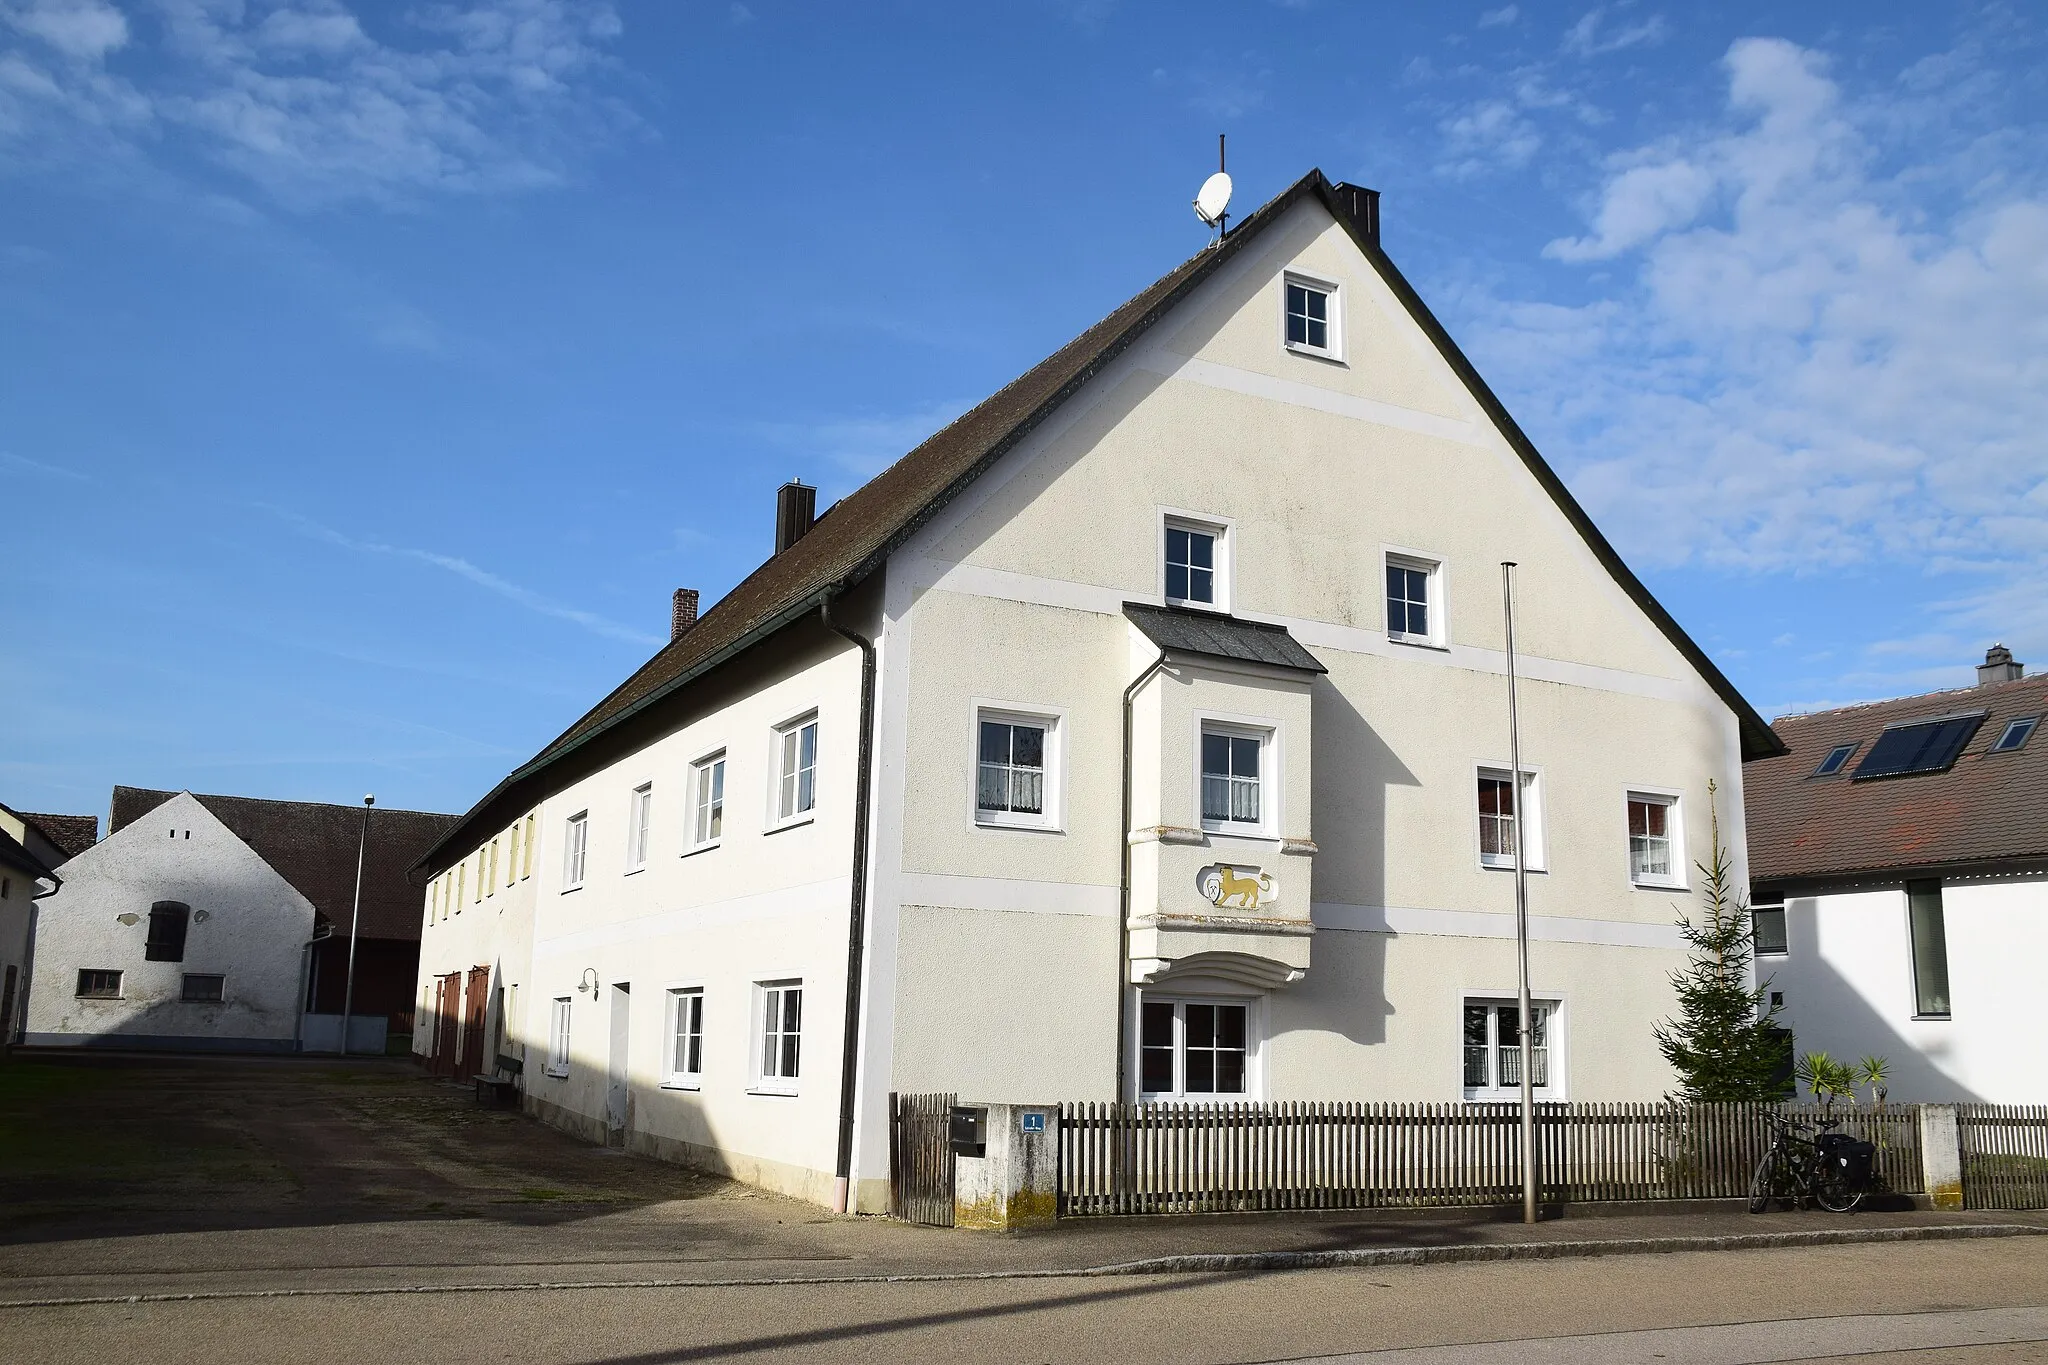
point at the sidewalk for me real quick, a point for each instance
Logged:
(753, 1239)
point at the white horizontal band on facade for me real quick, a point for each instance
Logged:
(809, 898)
(1006, 893)
(1250, 383)
(1398, 919)
(972, 580)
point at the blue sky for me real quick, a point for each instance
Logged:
(371, 374)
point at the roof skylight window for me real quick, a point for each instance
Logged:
(1921, 746)
(1832, 764)
(2016, 733)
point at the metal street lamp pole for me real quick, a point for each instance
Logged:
(348, 994)
(1507, 588)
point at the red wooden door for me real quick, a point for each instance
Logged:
(475, 1007)
(447, 1023)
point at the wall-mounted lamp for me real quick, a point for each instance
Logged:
(588, 982)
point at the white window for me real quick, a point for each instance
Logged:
(1314, 318)
(778, 1056)
(558, 1037)
(1016, 782)
(1234, 763)
(512, 857)
(1194, 1049)
(796, 769)
(686, 1037)
(1497, 819)
(707, 817)
(1493, 1049)
(1656, 848)
(1415, 613)
(526, 868)
(492, 888)
(639, 818)
(574, 853)
(1195, 570)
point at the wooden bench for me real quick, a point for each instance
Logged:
(496, 1093)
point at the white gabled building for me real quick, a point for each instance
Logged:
(1143, 733)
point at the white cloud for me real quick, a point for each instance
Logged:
(1487, 135)
(866, 444)
(1815, 351)
(302, 100)
(81, 30)
(462, 568)
(1592, 37)
(1500, 18)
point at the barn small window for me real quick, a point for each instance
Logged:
(203, 989)
(167, 924)
(96, 983)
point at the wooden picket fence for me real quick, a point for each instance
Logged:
(920, 1159)
(2005, 1155)
(1216, 1158)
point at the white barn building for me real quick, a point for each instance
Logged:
(1141, 734)
(1899, 865)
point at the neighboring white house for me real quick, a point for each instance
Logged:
(1899, 873)
(32, 848)
(210, 923)
(1142, 734)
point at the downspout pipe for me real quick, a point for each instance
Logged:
(1123, 914)
(856, 920)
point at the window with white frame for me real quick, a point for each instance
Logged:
(1656, 853)
(686, 1036)
(707, 801)
(532, 823)
(1233, 778)
(796, 768)
(1314, 324)
(1767, 930)
(639, 820)
(1013, 771)
(1497, 819)
(512, 856)
(558, 1037)
(1194, 564)
(492, 888)
(778, 1056)
(1414, 600)
(1194, 1049)
(1493, 1048)
(575, 850)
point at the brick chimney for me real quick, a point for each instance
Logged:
(1999, 666)
(796, 507)
(685, 613)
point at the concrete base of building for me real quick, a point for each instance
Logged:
(159, 1042)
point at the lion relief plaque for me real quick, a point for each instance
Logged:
(1229, 887)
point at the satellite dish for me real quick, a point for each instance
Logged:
(1213, 199)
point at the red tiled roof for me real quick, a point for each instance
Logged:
(74, 834)
(1987, 808)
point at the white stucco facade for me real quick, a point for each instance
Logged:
(999, 959)
(245, 925)
(1847, 977)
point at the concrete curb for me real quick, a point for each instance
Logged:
(1200, 1264)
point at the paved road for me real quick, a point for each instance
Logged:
(1977, 1301)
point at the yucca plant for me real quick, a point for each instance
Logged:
(1828, 1079)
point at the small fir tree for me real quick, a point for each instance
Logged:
(1724, 1044)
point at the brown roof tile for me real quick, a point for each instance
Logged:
(1987, 808)
(312, 845)
(74, 834)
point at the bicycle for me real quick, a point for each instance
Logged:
(1833, 1169)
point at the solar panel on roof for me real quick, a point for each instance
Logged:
(1926, 746)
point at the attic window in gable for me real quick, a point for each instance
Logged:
(2016, 734)
(1314, 318)
(1832, 764)
(1921, 746)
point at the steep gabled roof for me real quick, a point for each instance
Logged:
(863, 529)
(312, 845)
(72, 834)
(1985, 809)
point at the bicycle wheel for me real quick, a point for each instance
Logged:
(1831, 1191)
(1764, 1183)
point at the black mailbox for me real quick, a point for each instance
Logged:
(966, 1131)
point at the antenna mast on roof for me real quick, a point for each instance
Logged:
(1213, 199)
